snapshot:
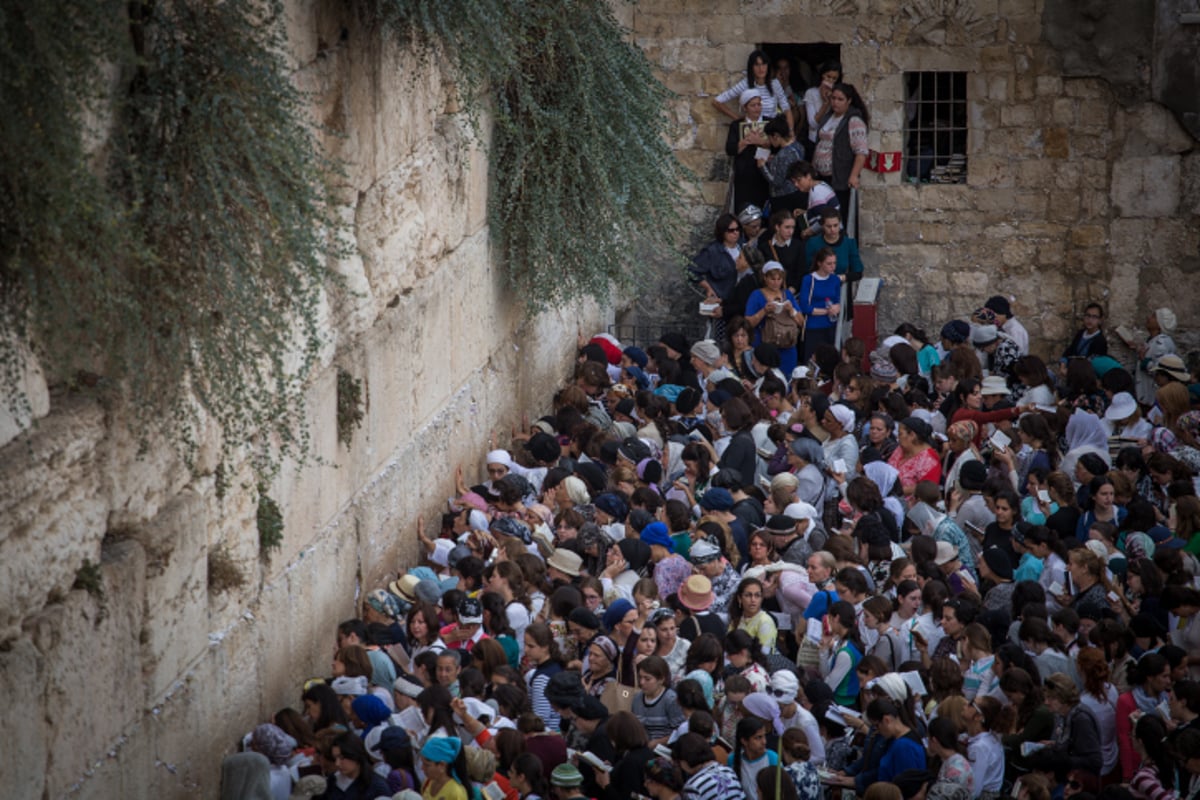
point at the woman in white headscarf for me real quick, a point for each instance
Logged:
(1158, 344)
(814, 533)
(884, 475)
(1085, 433)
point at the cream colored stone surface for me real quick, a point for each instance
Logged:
(1056, 164)
(138, 693)
(32, 382)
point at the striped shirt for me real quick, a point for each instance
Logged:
(713, 782)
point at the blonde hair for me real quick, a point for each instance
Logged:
(952, 708)
(622, 474)
(1062, 689)
(1174, 401)
(783, 489)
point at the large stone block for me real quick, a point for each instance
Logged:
(53, 513)
(1146, 187)
(1056, 142)
(22, 687)
(89, 645)
(1150, 129)
(176, 590)
(1190, 182)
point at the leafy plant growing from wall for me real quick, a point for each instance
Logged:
(350, 404)
(182, 262)
(270, 523)
(582, 179)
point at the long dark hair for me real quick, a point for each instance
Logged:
(437, 698)
(739, 640)
(856, 101)
(332, 712)
(497, 614)
(735, 602)
(352, 747)
(843, 611)
(746, 727)
(1016, 679)
(755, 56)
(1150, 731)
(540, 632)
(529, 766)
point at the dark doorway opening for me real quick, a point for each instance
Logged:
(805, 60)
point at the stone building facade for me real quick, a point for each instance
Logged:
(1082, 184)
(138, 687)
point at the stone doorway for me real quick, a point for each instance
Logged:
(805, 59)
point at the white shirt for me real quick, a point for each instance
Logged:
(1016, 331)
(805, 721)
(987, 762)
(1105, 711)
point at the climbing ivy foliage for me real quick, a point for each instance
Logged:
(165, 225)
(582, 179)
(187, 256)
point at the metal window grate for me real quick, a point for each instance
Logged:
(643, 335)
(935, 127)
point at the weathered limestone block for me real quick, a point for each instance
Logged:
(1089, 236)
(1049, 85)
(666, 26)
(22, 684)
(1017, 252)
(90, 652)
(1056, 142)
(176, 587)
(1190, 183)
(1150, 129)
(1020, 116)
(1146, 186)
(351, 307)
(723, 29)
(404, 222)
(54, 510)
(1064, 111)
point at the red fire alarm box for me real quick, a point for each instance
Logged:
(883, 162)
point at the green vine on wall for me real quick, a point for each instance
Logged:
(185, 258)
(269, 520)
(350, 406)
(582, 182)
(164, 219)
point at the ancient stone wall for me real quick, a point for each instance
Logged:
(1080, 187)
(136, 688)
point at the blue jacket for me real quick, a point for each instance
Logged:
(714, 265)
(903, 753)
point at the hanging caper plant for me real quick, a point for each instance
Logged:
(183, 262)
(582, 177)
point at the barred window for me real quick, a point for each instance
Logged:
(935, 127)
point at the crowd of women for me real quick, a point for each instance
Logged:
(735, 568)
(702, 577)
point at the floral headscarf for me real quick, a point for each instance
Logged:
(1163, 440)
(1189, 423)
(964, 431)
